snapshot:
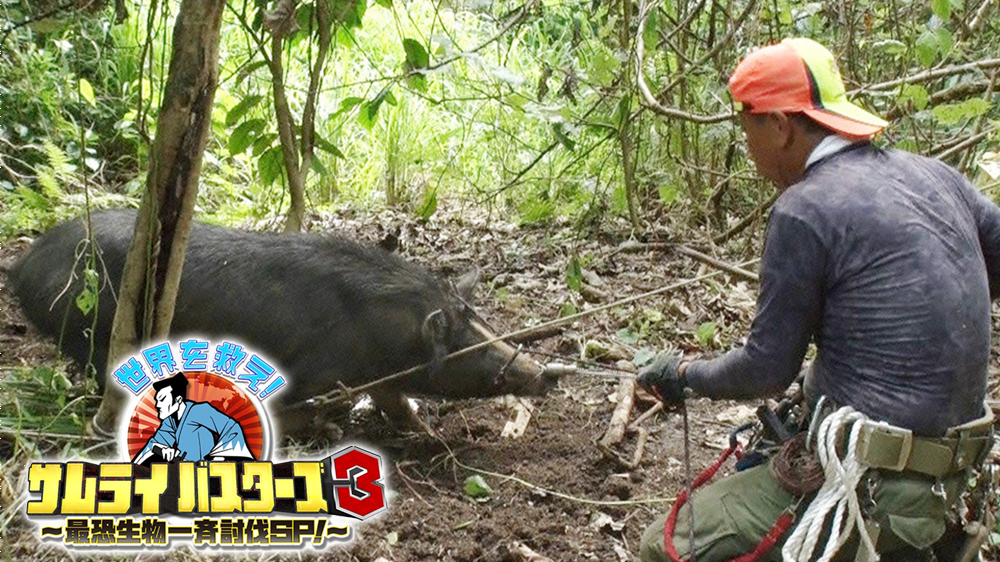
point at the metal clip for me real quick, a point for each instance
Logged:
(938, 490)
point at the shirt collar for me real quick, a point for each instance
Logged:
(830, 145)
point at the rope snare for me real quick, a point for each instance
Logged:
(837, 495)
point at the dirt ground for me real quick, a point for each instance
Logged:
(553, 489)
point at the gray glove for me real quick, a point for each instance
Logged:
(662, 378)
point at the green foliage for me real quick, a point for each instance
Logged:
(527, 120)
(706, 333)
(574, 274)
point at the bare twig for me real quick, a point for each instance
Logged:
(521, 15)
(652, 411)
(650, 101)
(747, 220)
(980, 16)
(972, 140)
(928, 75)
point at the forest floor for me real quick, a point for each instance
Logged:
(555, 492)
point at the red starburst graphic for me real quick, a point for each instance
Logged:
(218, 391)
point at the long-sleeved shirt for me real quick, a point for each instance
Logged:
(201, 433)
(888, 261)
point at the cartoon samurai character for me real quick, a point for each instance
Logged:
(191, 431)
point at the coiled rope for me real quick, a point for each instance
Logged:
(837, 495)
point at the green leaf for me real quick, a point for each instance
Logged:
(270, 165)
(86, 300)
(327, 146)
(350, 102)
(87, 92)
(603, 67)
(319, 167)
(416, 59)
(574, 274)
(952, 113)
(706, 333)
(562, 137)
(476, 487)
(369, 111)
(927, 48)
(567, 309)
(429, 206)
(915, 93)
(941, 9)
(668, 193)
(387, 4)
(785, 15)
(236, 114)
(416, 54)
(945, 41)
(244, 135)
(628, 336)
(643, 356)
(263, 143)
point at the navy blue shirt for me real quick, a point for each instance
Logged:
(888, 261)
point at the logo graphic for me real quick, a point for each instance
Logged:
(196, 467)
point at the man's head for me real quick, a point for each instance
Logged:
(169, 395)
(790, 95)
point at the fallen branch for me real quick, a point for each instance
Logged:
(623, 411)
(652, 411)
(684, 250)
(640, 448)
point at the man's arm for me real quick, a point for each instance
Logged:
(789, 310)
(987, 217)
(165, 436)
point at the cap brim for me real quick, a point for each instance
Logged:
(848, 119)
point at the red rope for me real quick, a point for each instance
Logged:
(772, 537)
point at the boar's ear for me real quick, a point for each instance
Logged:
(466, 285)
(435, 333)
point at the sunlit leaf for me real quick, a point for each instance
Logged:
(942, 9)
(706, 333)
(87, 92)
(476, 487)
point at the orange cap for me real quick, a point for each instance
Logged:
(799, 75)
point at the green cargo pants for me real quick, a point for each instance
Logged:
(733, 514)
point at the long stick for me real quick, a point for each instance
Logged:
(344, 392)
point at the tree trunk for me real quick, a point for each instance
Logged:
(152, 272)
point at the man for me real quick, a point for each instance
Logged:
(888, 261)
(190, 431)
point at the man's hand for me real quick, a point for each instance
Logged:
(166, 453)
(663, 378)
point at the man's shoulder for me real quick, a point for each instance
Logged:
(202, 407)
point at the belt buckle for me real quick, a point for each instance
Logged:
(872, 432)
